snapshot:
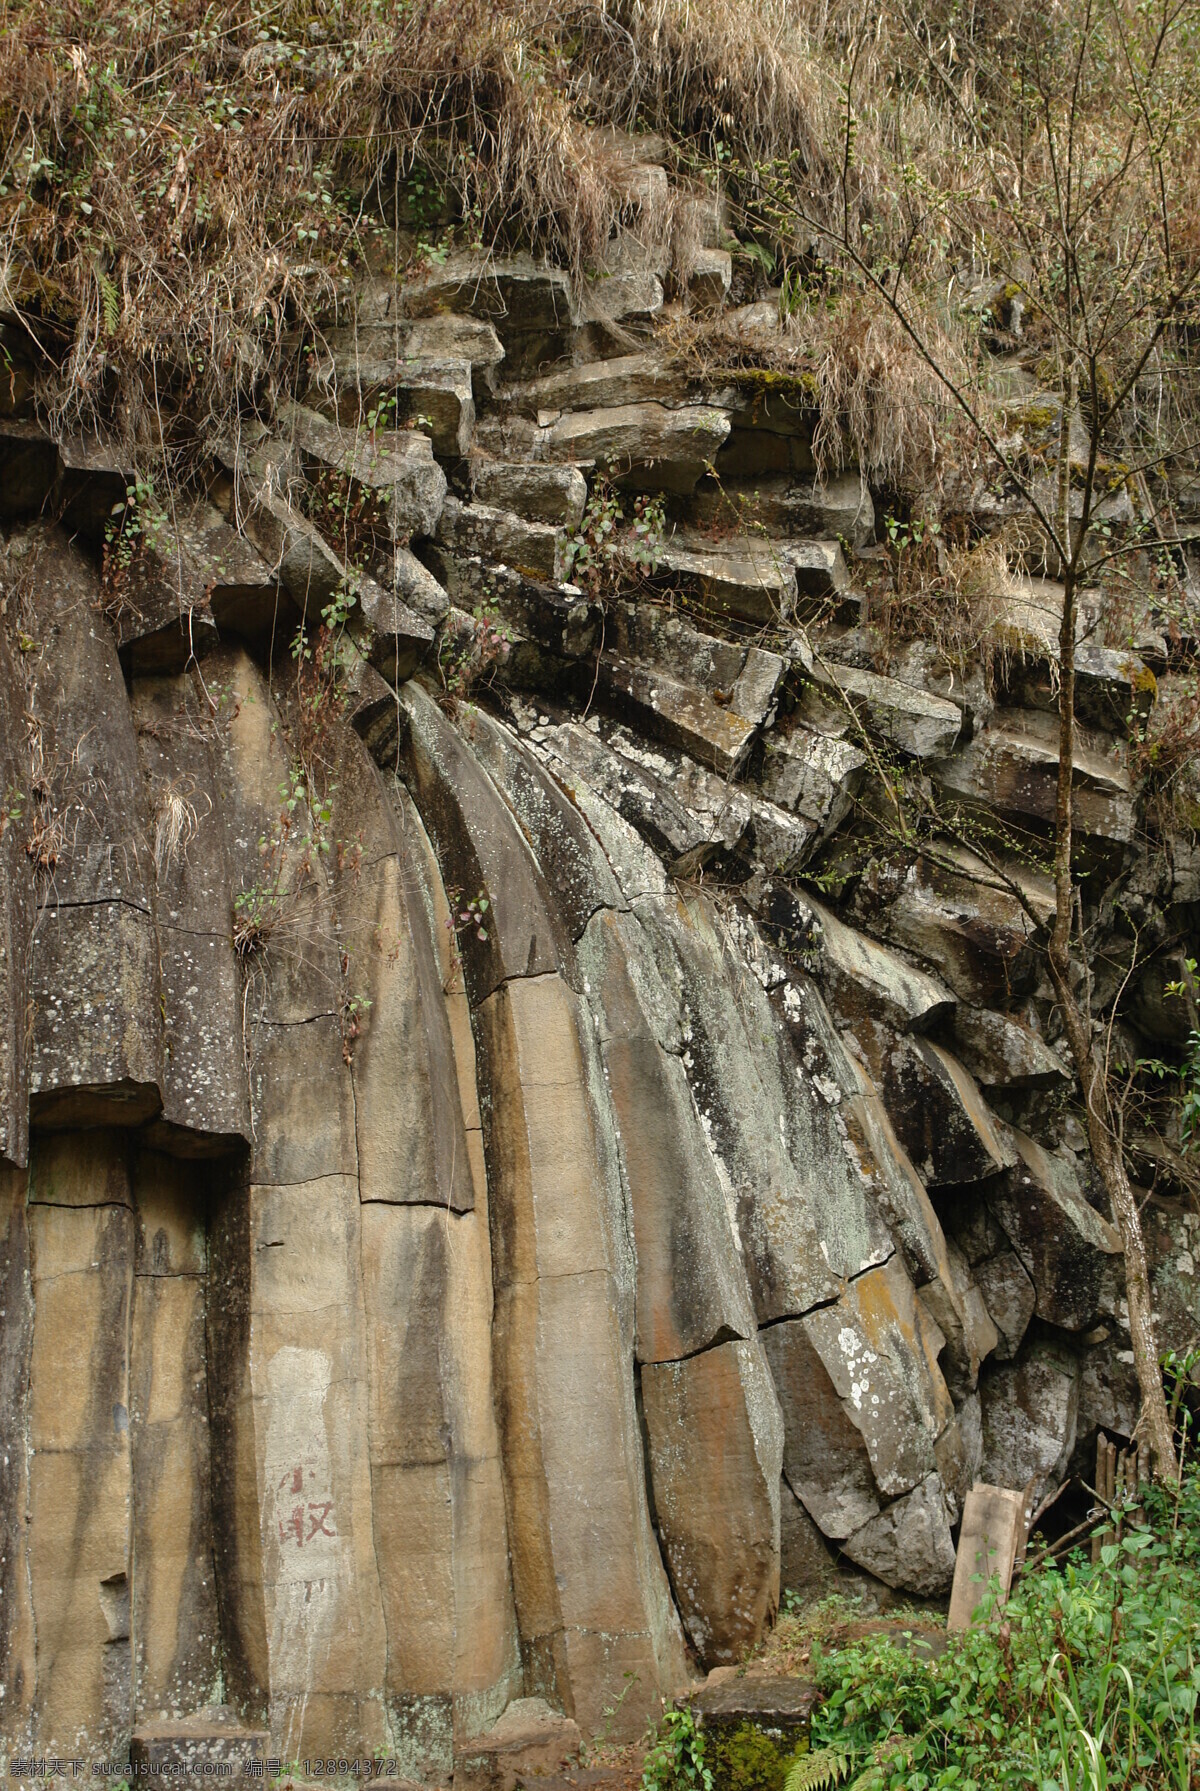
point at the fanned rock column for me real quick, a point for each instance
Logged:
(441, 1540)
(591, 1596)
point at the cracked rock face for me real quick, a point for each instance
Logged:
(470, 1221)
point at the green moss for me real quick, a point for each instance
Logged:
(802, 388)
(748, 1759)
(1035, 416)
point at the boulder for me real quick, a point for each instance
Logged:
(1030, 1408)
(909, 1544)
(1062, 1241)
(715, 1446)
(1008, 1293)
(815, 777)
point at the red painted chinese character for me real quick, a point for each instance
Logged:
(318, 1522)
(293, 1526)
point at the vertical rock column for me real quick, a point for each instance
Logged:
(97, 1035)
(81, 1232)
(300, 1587)
(174, 1622)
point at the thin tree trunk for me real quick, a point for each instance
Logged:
(1106, 1151)
(1154, 1425)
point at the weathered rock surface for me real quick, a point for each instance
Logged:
(484, 1220)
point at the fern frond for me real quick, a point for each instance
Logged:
(815, 1772)
(111, 300)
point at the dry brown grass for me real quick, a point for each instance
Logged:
(185, 185)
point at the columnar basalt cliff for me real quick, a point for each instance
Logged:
(475, 1220)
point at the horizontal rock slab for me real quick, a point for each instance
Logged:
(837, 507)
(514, 293)
(498, 536)
(213, 1742)
(161, 603)
(642, 378)
(861, 978)
(548, 494)
(939, 1115)
(754, 580)
(905, 716)
(1011, 770)
(683, 811)
(646, 446)
(952, 911)
(715, 1451)
(529, 1739)
(780, 1708)
(395, 466)
(1002, 1053)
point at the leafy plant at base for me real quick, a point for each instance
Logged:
(676, 1759)
(1087, 1677)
